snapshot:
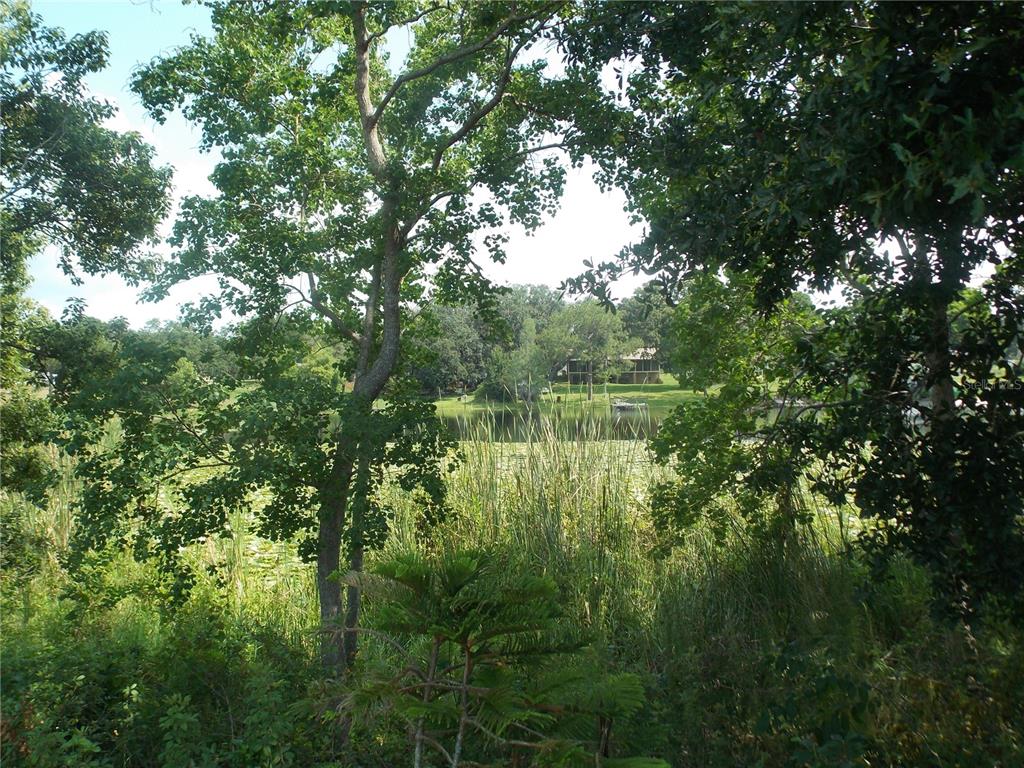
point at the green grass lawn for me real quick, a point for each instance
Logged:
(572, 398)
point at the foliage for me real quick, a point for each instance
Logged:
(514, 368)
(721, 444)
(66, 182)
(27, 422)
(21, 550)
(65, 179)
(517, 351)
(454, 352)
(351, 189)
(946, 490)
(485, 665)
(489, 345)
(755, 138)
(748, 653)
(647, 317)
(170, 392)
(586, 332)
(515, 372)
(122, 681)
(21, 319)
(875, 146)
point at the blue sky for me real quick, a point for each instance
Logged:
(590, 224)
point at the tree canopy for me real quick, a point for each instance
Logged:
(587, 334)
(346, 188)
(66, 180)
(69, 183)
(872, 147)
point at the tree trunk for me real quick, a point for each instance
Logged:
(590, 380)
(467, 668)
(338, 651)
(937, 355)
(431, 672)
(948, 496)
(944, 527)
(329, 592)
(352, 596)
(941, 394)
(328, 560)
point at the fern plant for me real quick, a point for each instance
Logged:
(483, 668)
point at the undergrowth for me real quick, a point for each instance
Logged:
(748, 652)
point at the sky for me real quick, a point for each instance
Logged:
(591, 224)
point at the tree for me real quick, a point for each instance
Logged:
(542, 303)
(514, 367)
(490, 346)
(454, 354)
(342, 186)
(515, 370)
(876, 146)
(746, 366)
(590, 334)
(487, 667)
(647, 317)
(65, 180)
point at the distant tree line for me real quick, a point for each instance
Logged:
(531, 335)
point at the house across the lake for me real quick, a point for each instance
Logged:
(639, 368)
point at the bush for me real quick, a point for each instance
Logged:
(120, 681)
(485, 666)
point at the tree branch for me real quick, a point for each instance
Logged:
(501, 739)
(499, 92)
(372, 633)
(193, 468)
(369, 116)
(448, 58)
(437, 745)
(405, 22)
(316, 301)
(211, 451)
(369, 320)
(540, 148)
(407, 228)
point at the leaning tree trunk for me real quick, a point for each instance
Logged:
(353, 600)
(390, 187)
(347, 489)
(371, 377)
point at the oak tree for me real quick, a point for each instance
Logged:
(874, 148)
(69, 183)
(347, 185)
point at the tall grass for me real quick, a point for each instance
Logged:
(755, 651)
(572, 505)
